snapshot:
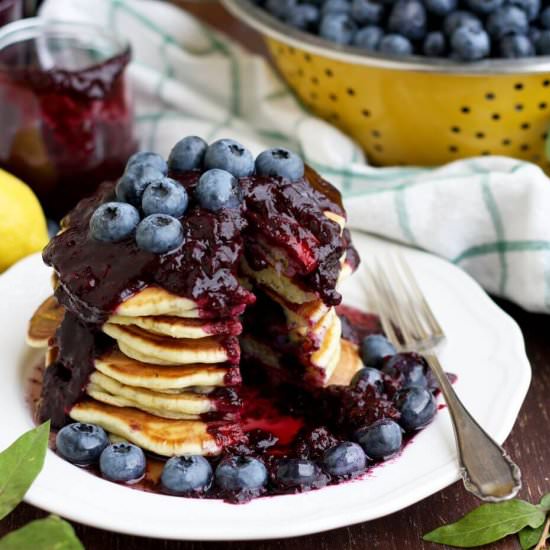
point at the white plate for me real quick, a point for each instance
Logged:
(485, 349)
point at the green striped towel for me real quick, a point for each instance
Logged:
(490, 215)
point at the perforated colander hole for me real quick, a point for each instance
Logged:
(307, 57)
(546, 83)
(543, 106)
(524, 147)
(485, 153)
(334, 116)
(366, 113)
(544, 136)
(455, 129)
(489, 96)
(518, 86)
(465, 110)
(506, 142)
(329, 73)
(518, 106)
(333, 97)
(495, 116)
(525, 126)
(375, 134)
(315, 80)
(453, 149)
(350, 91)
(480, 135)
(378, 147)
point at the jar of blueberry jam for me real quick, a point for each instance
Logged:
(10, 10)
(66, 114)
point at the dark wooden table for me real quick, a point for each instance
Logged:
(529, 443)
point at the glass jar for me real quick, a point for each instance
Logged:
(65, 109)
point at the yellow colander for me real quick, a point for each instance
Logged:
(417, 110)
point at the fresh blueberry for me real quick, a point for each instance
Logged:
(461, 19)
(159, 233)
(132, 184)
(187, 154)
(484, 6)
(368, 37)
(395, 44)
(335, 6)
(344, 459)
(367, 12)
(408, 368)
(218, 189)
(534, 34)
(113, 221)
(368, 376)
(516, 45)
(530, 7)
(299, 473)
(440, 7)
(417, 406)
(434, 44)
(81, 444)
(544, 17)
(543, 43)
(146, 158)
(187, 474)
(374, 348)
(303, 16)
(280, 162)
(408, 18)
(469, 44)
(507, 20)
(165, 197)
(122, 462)
(231, 156)
(241, 473)
(380, 440)
(338, 27)
(279, 8)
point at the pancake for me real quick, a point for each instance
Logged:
(180, 327)
(184, 405)
(128, 371)
(44, 323)
(164, 437)
(157, 349)
(154, 300)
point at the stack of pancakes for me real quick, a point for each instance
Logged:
(149, 346)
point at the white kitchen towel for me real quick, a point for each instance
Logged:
(490, 215)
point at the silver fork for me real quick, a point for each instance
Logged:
(409, 323)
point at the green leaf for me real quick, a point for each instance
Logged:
(20, 463)
(51, 533)
(529, 537)
(545, 503)
(488, 523)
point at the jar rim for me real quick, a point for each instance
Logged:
(107, 43)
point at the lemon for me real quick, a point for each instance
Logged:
(23, 227)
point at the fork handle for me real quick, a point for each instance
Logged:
(486, 469)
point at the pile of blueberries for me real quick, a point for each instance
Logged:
(248, 473)
(463, 30)
(150, 204)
